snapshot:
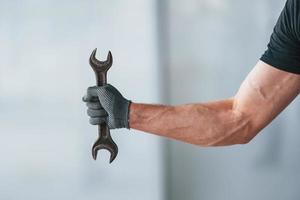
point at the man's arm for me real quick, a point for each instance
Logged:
(262, 96)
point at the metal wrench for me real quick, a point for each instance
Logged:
(104, 140)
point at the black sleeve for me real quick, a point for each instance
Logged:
(284, 47)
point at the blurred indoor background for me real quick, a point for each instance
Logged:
(165, 51)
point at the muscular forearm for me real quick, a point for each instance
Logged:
(262, 96)
(209, 124)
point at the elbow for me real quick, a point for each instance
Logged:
(243, 130)
(245, 140)
(235, 136)
(247, 131)
(247, 126)
(250, 134)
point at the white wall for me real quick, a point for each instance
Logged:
(45, 143)
(213, 45)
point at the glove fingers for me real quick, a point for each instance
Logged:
(96, 113)
(92, 91)
(88, 98)
(97, 120)
(91, 94)
(94, 105)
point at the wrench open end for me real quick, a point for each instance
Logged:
(100, 66)
(113, 152)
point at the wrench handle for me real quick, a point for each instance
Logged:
(103, 131)
(101, 79)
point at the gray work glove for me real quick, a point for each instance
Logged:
(113, 108)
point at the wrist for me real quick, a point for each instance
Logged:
(131, 108)
(127, 123)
